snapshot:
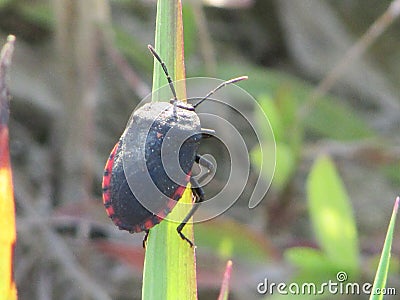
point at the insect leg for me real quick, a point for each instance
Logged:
(204, 162)
(207, 133)
(145, 238)
(199, 197)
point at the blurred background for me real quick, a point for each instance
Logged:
(81, 67)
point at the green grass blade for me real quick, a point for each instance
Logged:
(383, 267)
(169, 270)
(331, 215)
(170, 267)
(165, 37)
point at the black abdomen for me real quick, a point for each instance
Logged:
(144, 163)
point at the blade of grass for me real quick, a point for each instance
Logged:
(224, 292)
(383, 267)
(8, 290)
(332, 216)
(170, 267)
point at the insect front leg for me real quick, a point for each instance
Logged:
(199, 197)
(204, 162)
(145, 238)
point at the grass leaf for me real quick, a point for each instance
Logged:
(292, 92)
(224, 292)
(331, 215)
(383, 267)
(170, 269)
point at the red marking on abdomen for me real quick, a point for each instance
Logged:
(107, 181)
(149, 222)
(173, 200)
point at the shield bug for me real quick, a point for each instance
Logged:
(139, 156)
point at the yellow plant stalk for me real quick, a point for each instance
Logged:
(8, 290)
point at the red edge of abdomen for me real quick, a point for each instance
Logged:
(147, 224)
(107, 181)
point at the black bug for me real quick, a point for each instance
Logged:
(142, 145)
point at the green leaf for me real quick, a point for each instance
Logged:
(37, 12)
(273, 114)
(132, 49)
(336, 120)
(4, 2)
(190, 29)
(310, 260)
(330, 117)
(169, 269)
(228, 239)
(315, 269)
(165, 45)
(383, 267)
(284, 166)
(392, 172)
(331, 215)
(288, 137)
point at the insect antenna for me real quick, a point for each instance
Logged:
(233, 80)
(171, 84)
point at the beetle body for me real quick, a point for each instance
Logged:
(150, 166)
(150, 123)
